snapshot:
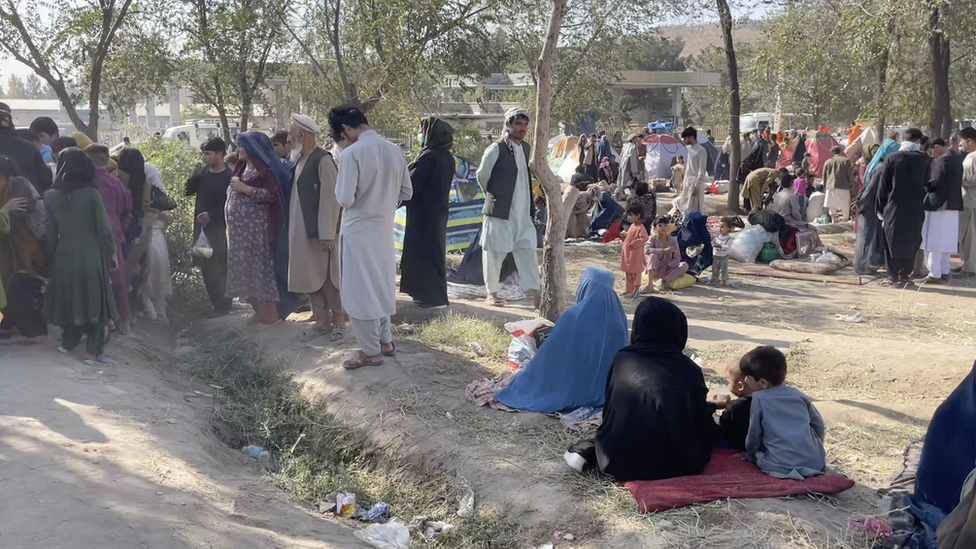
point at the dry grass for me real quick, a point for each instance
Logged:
(453, 333)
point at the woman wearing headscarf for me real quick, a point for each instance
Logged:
(869, 240)
(22, 259)
(254, 215)
(570, 369)
(138, 237)
(656, 421)
(81, 246)
(422, 266)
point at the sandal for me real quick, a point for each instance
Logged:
(314, 333)
(389, 353)
(359, 360)
(101, 360)
(495, 301)
(338, 332)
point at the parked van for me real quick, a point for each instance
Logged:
(197, 133)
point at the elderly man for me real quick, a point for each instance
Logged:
(838, 174)
(372, 181)
(313, 230)
(508, 210)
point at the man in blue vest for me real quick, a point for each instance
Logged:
(508, 228)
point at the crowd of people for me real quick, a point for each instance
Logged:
(82, 243)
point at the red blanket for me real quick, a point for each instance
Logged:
(726, 476)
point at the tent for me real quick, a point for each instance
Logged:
(564, 156)
(661, 150)
(861, 144)
(464, 217)
(819, 149)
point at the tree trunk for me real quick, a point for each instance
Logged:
(245, 114)
(882, 100)
(222, 113)
(735, 106)
(940, 121)
(94, 90)
(558, 205)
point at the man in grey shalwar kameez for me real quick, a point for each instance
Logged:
(508, 210)
(372, 179)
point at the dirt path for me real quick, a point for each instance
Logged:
(116, 458)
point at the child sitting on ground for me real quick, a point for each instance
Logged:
(785, 430)
(720, 252)
(632, 261)
(613, 231)
(734, 421)
(663, 256)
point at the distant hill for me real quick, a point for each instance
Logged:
(700, 37)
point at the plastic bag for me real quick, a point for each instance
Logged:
(748, 243)
(202, 247)
(392, 535)
(523, 345)
(682, 282)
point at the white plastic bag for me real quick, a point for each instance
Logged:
(748, 243)
(523, 348)
(392, 535)
(202, 247)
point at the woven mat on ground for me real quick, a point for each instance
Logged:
(726, 476)
(843, 276)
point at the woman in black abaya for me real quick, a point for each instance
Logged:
(422, 267)
(656, 421)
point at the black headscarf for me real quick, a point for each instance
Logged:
(75, 170)
(134, 165)
(659, 327)
(437, 135)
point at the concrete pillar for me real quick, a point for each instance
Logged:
(279, 107)
(676, 106)
(174, 106)
(151, 112)
(133, 117)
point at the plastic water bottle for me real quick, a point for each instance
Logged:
(257, 453)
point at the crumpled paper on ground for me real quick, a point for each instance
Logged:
(392, 535)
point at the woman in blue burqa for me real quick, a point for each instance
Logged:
(869, 241)
(570, 369)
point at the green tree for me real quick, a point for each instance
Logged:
(56, 40)
(229, 51)
(15, 87)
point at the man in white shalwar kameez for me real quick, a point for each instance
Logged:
(692, 195)
(313, 230)
(508, 210)
(373, 179)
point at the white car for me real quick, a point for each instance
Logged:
(197, 133)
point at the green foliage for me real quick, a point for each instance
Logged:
(176, 161)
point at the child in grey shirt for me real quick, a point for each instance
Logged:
(785, 430)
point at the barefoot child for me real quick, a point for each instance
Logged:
(785, 430)
(632, 253)
(720, 252)
(663, 257)
(734, 421)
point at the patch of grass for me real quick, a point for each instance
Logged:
(317, 455)
(869, 452)
(454, 333)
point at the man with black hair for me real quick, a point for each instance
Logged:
(63, 143)
(281, 144)
(509, 208)
(693, 191)
(900, 195)
(47, 131)
(942, 204)
(26, 158)
(967, 217)
(372, 180)
(209, 185)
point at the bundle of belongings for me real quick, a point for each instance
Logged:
(791, 242)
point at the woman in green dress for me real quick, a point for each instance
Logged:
(80, 243)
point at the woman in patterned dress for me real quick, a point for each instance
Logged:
(254, 212)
